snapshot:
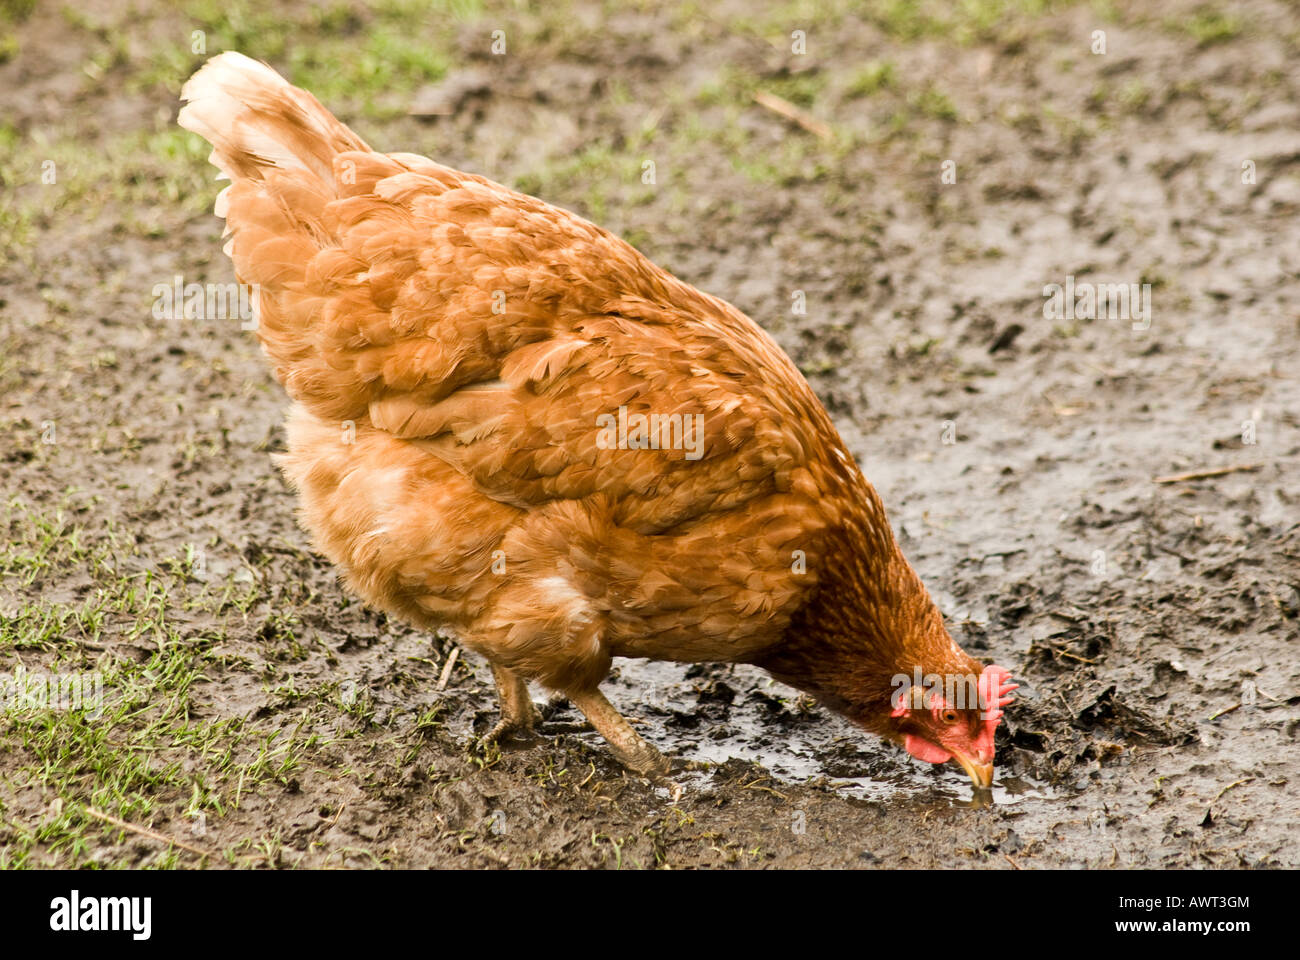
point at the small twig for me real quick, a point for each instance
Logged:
(1010, 861)
(342, 806)
(754, 785)
(1062, 652)
(146, 832)
(1206, 473)
(1229, 787)
(446, 668)
(1215, 716)
(788, 110)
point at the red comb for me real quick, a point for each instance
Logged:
(995, 689)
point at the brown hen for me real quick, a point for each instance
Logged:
(508, 423)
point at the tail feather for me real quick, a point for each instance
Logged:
(280, 147)
(327, 233)
(256, 120)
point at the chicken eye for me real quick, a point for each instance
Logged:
(948, 715)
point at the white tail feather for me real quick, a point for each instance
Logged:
(255, 120)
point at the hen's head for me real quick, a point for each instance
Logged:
(870, 644)
(942, 717)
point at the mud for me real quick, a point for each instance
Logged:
(1137, 615)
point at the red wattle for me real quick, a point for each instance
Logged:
(924, 750)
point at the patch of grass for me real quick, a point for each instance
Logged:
(151, 179)
(933, 102)
(15, 11)
(12, 12)
(1134, 96)
(593, 175)
(801, 89)
(16, 226)
(1209, 25)
(875, 76)
(132, 746)
(797, 157)
(39, 542)
(364, 58)
(961, 21)
(964, 22)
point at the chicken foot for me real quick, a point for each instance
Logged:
(632, 751)
(518, 715)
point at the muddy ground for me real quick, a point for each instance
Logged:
(256, 715)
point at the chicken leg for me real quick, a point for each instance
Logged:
(632, 751)
(518, 715)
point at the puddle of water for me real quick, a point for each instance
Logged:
(713, 714)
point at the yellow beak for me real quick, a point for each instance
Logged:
(981, 774)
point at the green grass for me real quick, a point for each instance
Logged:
(12, 13)
(350, 56)
(961, 21)
(141, 754)
(1208, 26)
(159, 633)
(872, 78)
(934, 103)
(150, 178)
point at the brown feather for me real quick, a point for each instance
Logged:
(474, 338)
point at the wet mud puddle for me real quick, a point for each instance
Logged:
(713, 713)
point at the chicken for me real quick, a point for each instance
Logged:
(508, 424)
